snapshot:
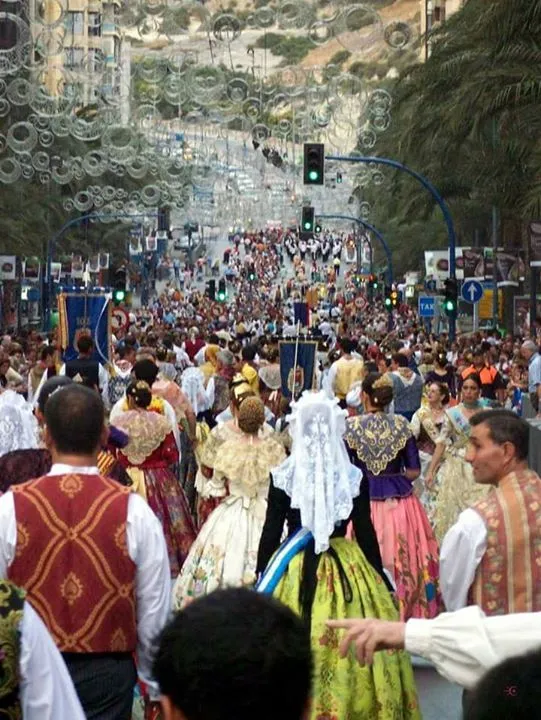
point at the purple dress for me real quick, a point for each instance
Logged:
(384, 448)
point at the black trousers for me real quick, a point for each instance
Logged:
(104, 683)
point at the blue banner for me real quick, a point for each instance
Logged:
(301, 313)
(85, 314)
(306, 366)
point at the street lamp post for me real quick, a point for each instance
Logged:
(429, 14)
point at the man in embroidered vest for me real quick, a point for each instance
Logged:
(345, 371)
(85, 369)
(34, 681)
(91, 557)
(491, 557)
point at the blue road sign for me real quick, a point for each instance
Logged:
(427, 306)
(472, 291)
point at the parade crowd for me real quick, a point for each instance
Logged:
(200, 529)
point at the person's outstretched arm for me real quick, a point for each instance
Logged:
(462, 645)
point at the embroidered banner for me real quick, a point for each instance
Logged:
(306, 366)
(85, 314)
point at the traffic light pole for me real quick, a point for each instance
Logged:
(437, 197)
(47, 283)
(371, 229)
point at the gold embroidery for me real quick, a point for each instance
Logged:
(118, 641)
(72, 588)
(11, 613)
(71, 485)
(120, 539)
(23, 538)
(146, 430)
(377, 439)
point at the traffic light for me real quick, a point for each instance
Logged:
(222, 292)
(338, 177)
(373, 281)
(450, 300)
(317, 228)
(395, 298)
(211, 289)
(251, 274)
(388, 299)
(119, 286)
(307, 222)
(314, 164)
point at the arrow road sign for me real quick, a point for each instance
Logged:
(472, 291)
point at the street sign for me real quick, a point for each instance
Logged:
(472, 291)
(427, 306)
(360, 302)
(120, 319)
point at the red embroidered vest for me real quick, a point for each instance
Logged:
(72, 559)
(508, 578)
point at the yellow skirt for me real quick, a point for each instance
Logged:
(343, 690)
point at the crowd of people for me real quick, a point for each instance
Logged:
(186, 477)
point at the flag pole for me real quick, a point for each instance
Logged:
(293, 392)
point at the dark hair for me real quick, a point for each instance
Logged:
(476, 379)
(49, 388)
(347, 345)
(225, 655)
(140, 392)
(504, 426)
(400, 359)
(441, 359)
(248, 353)
(444, 391)
(146, 370)
(46, 351)
(379, 396)
(161, 353)
(75, 418)
(512, 689)
(85, 344)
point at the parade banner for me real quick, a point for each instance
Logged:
(56, 269)
(77, 267)
(104, 261)
(94, 264)
(305, 350)
(535, 244)
(301, 312)
(85, 314)
(8, 267)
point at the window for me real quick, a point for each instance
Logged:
(74, 57)
(74, 23)
(94, 24)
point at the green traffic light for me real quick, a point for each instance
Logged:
(221, 296)
(307, 225)
(388, 302)
(449, 305)
(120, 295)
(313, 175)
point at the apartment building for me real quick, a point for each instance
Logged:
(433, 13)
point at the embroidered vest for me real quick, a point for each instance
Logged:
(72, 559)
(221, 395)
(347, 373)
(87, 370)
(508, 578)
(11, 614)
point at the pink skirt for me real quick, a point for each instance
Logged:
(409, 551)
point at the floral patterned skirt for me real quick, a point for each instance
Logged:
(409, 552)
(343, 689)
(225, 552)
(168, 501)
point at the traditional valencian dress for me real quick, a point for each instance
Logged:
(149, 457)
(426, 432)
(225, 551)
(383, 447)
(457, 489)
(321, 575)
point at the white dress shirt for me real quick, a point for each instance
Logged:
(45, 686)
(146, 548)
(463, 645)
(168, 411)
(461, 552)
